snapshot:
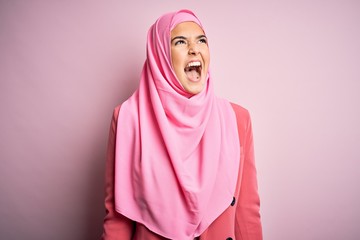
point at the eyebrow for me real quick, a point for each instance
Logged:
(184, 38)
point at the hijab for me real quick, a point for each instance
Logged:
(176, 155)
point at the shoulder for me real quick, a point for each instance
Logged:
(127, 112)
(128, 107)
(243, 121)
(242, 114)
(116, 111)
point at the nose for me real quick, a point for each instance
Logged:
(193, 49)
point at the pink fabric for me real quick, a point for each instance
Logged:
(241, 221)
(177, 156)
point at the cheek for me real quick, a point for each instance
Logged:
(207, 58)
(176, 59)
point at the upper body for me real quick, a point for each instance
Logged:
(180, 160)
(240, 221)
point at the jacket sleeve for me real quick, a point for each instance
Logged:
(116, 226)
(247, 217)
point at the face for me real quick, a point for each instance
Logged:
(190, 56)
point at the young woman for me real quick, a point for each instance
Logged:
(180, 161)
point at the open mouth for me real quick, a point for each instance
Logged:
(193, 71)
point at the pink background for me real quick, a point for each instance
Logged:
(65, 65)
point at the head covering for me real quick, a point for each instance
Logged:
(177, 156)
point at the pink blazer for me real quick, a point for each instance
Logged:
(241, 220)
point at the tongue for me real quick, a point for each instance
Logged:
(193, 75)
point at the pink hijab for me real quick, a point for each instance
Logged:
(177, 156)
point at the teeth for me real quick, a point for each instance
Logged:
(194, 64)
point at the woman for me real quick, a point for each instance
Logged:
(180, 160)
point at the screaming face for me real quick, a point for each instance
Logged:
(190, 56)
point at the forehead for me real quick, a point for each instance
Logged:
(187, 29)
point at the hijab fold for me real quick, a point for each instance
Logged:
(177, 156)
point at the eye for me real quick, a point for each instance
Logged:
(203, 40)
(179, 42)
